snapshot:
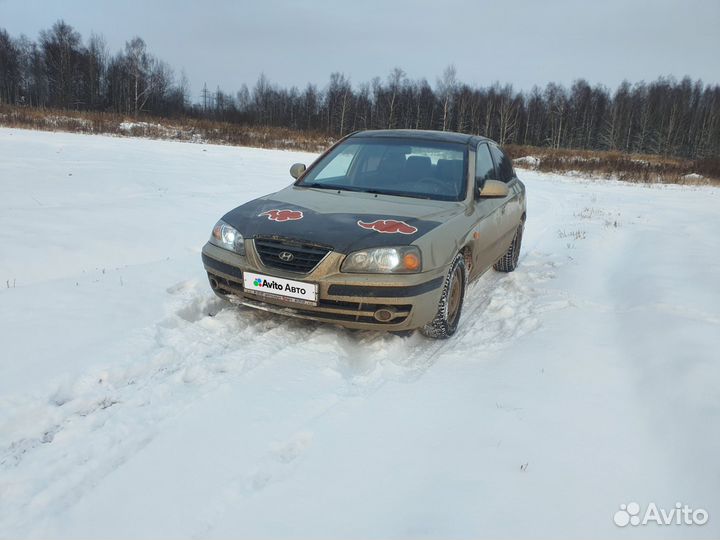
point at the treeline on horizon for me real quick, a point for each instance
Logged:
(666, 116)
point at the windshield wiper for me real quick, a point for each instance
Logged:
(320, 186)
(411, 194)
(368, 190)
(335, 186)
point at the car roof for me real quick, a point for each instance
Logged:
(445, 136)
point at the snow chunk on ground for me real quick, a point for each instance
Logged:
(529, 162)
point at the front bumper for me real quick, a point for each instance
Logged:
(350, 300)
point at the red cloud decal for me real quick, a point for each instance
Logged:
(389, 226)
(282, 215)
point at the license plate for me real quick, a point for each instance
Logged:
(286, 289)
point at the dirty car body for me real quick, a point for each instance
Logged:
(366, 236)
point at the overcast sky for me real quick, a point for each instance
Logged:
(523, 42)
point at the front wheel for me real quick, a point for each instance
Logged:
(447, 318)
(509, 261)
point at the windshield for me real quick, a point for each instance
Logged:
(405, 167)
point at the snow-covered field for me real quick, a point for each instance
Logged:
(133, 404)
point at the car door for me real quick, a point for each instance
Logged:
(510, 210)
(488, 226)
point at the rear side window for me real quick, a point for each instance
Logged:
(504, 167)
(484, 167)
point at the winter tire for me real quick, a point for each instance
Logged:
(509, 261)
(447, 318)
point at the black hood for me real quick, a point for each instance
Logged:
(345, 221)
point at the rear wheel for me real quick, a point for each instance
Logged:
(509, 261)
(447, 318)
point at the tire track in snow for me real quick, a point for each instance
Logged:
(367, 361)
(204, 343)
(89, 426)
(501, 307)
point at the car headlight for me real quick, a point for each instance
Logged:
(227, 237)
(385, 260)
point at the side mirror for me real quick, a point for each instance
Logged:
(494, 189)
(296, 170)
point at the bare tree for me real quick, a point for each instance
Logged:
(139, 64)
(508, 111)
(96, 65)
(10, 74)
(446, 87)
(394, 82)
(61, 48)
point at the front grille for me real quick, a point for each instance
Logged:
(305, 257)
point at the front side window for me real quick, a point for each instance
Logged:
(484, 168)
(403, 167)
(504, 167)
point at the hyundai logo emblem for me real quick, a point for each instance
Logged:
(286, 256)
